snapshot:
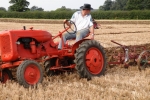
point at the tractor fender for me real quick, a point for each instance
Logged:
(76, 45)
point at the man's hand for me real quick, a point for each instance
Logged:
(92, 36)
(66, 22)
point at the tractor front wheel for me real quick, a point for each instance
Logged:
(29, 73)
(90, 59)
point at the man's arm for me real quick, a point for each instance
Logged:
(92, 32)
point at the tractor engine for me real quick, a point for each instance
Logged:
(25, 42)
(28, 43)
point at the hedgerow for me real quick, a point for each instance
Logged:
(135, 14)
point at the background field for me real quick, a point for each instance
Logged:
(117, 84)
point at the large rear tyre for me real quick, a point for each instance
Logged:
(29, 73)
(90, 59)
(6, 75)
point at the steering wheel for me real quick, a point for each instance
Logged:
(71, 29)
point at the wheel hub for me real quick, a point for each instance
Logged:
(94, 60)
(32, 74)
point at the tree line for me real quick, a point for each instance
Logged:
(125, 5)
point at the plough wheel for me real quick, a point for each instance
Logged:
(143, 60)
(6, 75)
(29, 73)
(90, 59)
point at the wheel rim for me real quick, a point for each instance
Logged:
(32, 74)
(5, 77)
(94, 60)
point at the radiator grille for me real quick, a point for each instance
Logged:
(5, 44)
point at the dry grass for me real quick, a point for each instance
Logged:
(117, 84)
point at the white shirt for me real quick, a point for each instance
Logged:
(80, 21)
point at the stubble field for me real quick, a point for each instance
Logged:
(117, 83)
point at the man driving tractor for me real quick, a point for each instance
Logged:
(84, 25)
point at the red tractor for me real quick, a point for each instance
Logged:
(25, 49)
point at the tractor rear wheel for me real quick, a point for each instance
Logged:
(29, 73)
(90, 59)
(6, 75)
